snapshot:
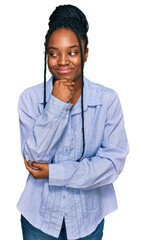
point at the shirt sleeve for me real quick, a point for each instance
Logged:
(40, 132)
(106, 165)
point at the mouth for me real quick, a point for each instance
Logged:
(64, 70)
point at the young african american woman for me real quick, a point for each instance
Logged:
(73, 140)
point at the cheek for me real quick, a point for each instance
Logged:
(77, 62)
(51, 62)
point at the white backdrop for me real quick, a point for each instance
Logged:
(117, 59)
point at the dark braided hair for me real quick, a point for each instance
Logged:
(69, 17)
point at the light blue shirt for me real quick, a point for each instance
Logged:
(82, 192)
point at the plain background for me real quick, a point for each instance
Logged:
(117, 59)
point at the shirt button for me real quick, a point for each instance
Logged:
(64, 197)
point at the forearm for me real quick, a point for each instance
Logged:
(39, 137)
(90, 172)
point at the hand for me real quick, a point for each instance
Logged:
(42, 171)
(63, 89)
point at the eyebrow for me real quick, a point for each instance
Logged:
(57, 48)
(74, 46)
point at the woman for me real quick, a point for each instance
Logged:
(73, 140)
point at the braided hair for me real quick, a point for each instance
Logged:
(69, 17)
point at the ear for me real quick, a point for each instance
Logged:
(86, 54)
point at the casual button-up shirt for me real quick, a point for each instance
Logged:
(81, 192)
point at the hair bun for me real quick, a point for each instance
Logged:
(69, 11)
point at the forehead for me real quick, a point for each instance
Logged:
(63, 37)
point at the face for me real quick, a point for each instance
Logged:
(64, 58)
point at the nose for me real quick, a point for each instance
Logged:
(63, 59)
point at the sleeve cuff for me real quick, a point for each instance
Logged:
(56, 175)
(57, 107)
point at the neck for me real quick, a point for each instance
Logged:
(77, 94)
(78, 84)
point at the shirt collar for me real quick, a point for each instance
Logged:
(91, 95)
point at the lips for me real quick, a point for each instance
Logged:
(64, 70)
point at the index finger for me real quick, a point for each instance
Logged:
(31, 170)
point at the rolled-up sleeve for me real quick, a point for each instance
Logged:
(106, 165)
(40, 132)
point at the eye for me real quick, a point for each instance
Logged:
(73, 53)
(53, 54)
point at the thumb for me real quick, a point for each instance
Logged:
(34, 164)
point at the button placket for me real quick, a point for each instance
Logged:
(68, 137)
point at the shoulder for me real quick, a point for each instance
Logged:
(106, 94)
(31, 95)
(28, 103)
